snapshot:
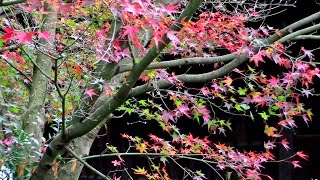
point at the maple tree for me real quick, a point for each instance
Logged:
(74, 65)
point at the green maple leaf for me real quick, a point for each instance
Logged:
(264, 115)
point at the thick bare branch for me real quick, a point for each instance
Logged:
(300, 32)
(307, 37)
(8, 3)
(183, 62)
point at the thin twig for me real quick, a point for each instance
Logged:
(20, 72)
(86, 164)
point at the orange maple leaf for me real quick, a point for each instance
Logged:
(77, 71)
(269, 130)
(227, 81)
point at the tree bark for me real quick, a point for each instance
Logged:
(33, 119)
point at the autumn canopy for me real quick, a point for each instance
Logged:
(70, 68)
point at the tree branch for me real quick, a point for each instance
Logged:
(307, 37)
(8, 3)
(21, 73)
(300, 32)
(86, 164)
(183, 62)
(8, 48)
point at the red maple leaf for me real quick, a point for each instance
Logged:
(14, 56)
(204, 112)
(273, 81)
(8, 33)
(64, 8)
(285, 143)
(131, 31)
(157, 37)
(23, 37)
(295, 164)
(257, 58)
(166, 116)
(302, 155)
(90, 92)
(169, 9)
(184, 109)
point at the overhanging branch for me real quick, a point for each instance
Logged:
(205, 77)
(307, 37)
(300, 32)
(8, 3)
(183, 62)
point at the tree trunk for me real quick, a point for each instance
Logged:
(33, 119)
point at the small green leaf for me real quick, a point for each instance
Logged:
(71, 23)
(309, 113)
(129, 111)
(243, 91)
(178, 103)
(238, 107)
(143, 103)
(281, 98)
(264, 115)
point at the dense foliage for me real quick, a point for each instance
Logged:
(75, 66)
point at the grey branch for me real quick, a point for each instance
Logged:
(184, 62)
(300, 32)
(86, 164)
(307, 37)
(8, 3)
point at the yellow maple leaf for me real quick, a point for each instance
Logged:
(269, 130)
(255, 94)
(142, 147)
(140, 171)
